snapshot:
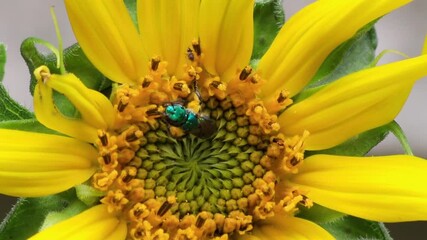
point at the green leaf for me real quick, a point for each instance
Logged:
(348, 228)
(2, 60)
(359, 145)
(28, 215)
(353, 55)
(75, 62)
(29, 125)
(10, 109)
(268, 19)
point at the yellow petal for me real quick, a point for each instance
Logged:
(386, 189)
(226, 35)
(109, 38)
(95, 109)
(35, 164)
(94, 224)
(353, 104)
(167, 29)
(424, 51)
(284, 227)
(310, 36)
(47, 114)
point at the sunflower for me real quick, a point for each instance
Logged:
(194, 143)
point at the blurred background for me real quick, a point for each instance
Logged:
(403, 30)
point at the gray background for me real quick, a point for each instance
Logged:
(402, 30)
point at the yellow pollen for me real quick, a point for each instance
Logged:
(177, 88)
(244, 74)
(103, 181)
(115, 200)
(278, 102)
(194, 105)
(214, 87)
(246, 84)
(192, 73)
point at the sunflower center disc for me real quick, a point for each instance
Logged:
(214, 174)
(171, 174)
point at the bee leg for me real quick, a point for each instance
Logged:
(196, 90)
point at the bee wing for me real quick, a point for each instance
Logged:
(206, 128)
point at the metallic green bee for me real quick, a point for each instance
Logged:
(179, 116)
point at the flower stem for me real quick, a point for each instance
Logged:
(60, 56)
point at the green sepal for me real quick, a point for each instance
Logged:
(131, 6)
(320, 214)
(268, 19)
(88, 194)
(398, 132)
(28, 214)
(9, 108)
(71, 210)
(342, 226)
(358, 145)
(348, 228)
(75, 62)
(2, 60)
(353, 55)
(28, 125)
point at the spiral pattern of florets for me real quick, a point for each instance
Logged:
(214, 174)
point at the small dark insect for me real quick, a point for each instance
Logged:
(190, 54)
